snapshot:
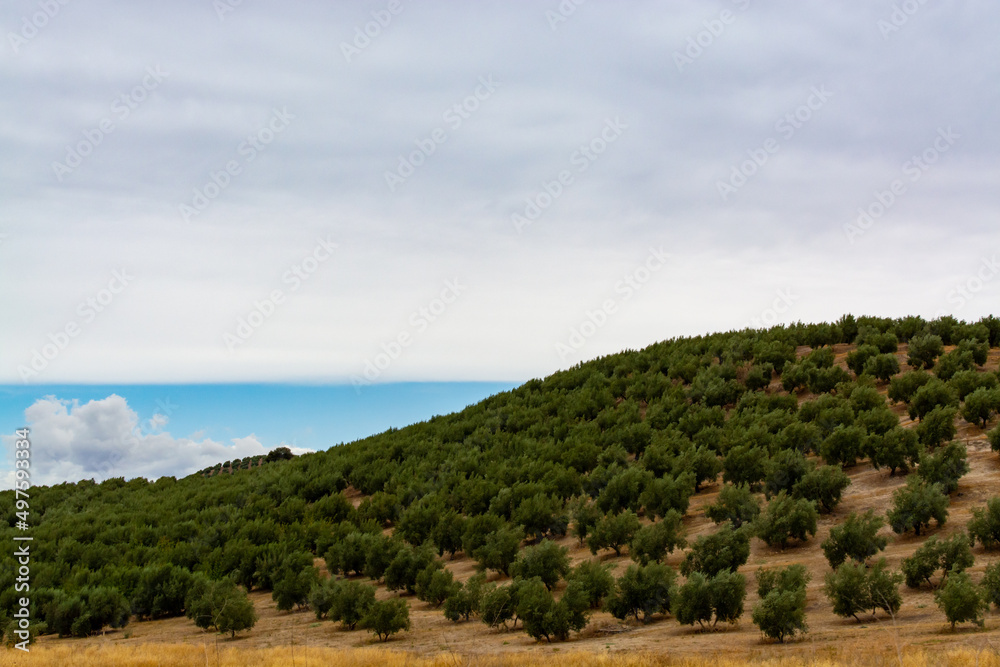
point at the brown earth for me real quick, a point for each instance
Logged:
(919, 623)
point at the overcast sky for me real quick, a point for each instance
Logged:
(465, 187)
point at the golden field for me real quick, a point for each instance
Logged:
(215, 655)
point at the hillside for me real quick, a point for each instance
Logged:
(655, 431)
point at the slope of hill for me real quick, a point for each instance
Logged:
(646, 431)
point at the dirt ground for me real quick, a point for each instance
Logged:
(919, 624)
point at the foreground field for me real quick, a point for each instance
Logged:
(180, 655)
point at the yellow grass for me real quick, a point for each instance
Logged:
(178, 655)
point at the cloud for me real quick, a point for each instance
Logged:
(103, 438)
(689, 130)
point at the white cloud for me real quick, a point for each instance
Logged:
(103, 439)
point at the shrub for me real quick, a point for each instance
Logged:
(791, 578)
(961, 600)
(857, 358)
(897, 449)
(924, 350)
(435, 585)
(542, 616)
(883, 588)
(667, 494)
(933, 555)
(914, 505)
(700, 461)
(984, 526)
(937, 426)
(847, 588)
(933, 394)
(877, 421)
(857, 538)
(548, 561)
(966, 382)
(585, 517)
(759, 376)
(945, 467)
(823, 380)
(991, 584)
(700, 599)
(745, 464)
(981, 405)
(595, 579)
(321, 597)
(498, 605)
(824, 486)
(465, 600)
(623, 490)
(292, 589)
(85, 612)
(902, 388)
(784, 470)
(736, 504)
(786, 518)
(500, 549)
(882, 366)
(351, 601)
(726, 549)
(655, 541)
(843, 446)
(160, 591)
(642, 589)
(382, 550)
(852, 588)
(220, 605)
(613, 531)
(387, 617)
(401, 574)
(781, 614)
(447, 533)
(960, 359)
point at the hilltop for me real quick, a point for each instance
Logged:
(659, 432)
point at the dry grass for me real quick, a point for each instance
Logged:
(186, 655)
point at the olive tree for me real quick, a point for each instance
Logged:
(915, 505)
(857, 538)
(786, 518)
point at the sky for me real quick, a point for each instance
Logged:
(356, 194)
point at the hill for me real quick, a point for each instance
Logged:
(657, 433)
